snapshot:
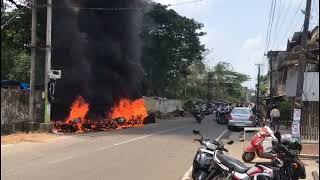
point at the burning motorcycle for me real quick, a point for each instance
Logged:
(256, 146)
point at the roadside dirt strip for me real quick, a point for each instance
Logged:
(188, 174)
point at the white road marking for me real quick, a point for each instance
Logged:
(13, 173)
(60, 160)
(222, 134)
(188, 174)
(6, 145)
(142, 137)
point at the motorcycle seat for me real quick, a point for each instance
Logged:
(232, 163)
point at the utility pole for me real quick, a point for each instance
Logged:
(303, 57)
(33, 57)
(258, 87)
(47, 108)
(210, 86)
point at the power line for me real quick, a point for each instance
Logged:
(270, 33)
(278, 19)
(268, 28)
(17, 13)
(121, 9)
(290, 25)
(188, 2)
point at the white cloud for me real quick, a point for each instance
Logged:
(251, 53)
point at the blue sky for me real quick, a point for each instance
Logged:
(236, 29)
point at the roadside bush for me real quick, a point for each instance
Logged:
(285, 110)
(188, 105)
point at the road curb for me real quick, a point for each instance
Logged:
(188, 174)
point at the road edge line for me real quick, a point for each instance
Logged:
(188, 174)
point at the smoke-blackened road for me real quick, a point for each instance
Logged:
(157, 151)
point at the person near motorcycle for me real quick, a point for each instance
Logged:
(275, 118)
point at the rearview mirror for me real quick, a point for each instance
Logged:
(195, 131)
(230, 142)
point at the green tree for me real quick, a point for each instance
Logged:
(263, 84)
(229, 83)
(171, 49)
(15, 43)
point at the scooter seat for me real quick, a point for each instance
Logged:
(232, 163)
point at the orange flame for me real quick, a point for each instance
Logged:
(79, 110)
(130, 110)
(134, 113)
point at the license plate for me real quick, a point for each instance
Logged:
(240, 124)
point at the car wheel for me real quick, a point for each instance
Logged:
(230, 127)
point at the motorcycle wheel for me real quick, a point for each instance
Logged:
(248, 156)
(200, 175)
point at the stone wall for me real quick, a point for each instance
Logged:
(162, 105)
(14, 109)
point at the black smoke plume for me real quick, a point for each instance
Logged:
(98, 50)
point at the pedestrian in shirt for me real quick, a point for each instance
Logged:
(275, 118)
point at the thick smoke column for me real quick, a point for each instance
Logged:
(98, 52)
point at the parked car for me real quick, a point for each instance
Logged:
(241, 117)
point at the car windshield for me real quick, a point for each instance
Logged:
(240, 111)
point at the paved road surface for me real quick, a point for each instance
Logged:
(160, 151)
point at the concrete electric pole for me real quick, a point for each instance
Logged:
(47, 108)
(210, 86)
(258, 86)
(303, 57)
(33, 57)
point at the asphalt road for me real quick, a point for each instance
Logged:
(160, 151)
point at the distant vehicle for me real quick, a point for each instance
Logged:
(241, 117)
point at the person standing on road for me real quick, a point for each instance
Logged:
(275, 118)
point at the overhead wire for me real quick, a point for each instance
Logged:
(17, 13)
(122, 9)
(98, 9)
(267, 36)
(290, 25)
(270, 21)
(283, 21)
(281, 7)
(315, 13)
(271, 24)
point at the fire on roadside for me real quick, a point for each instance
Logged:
(125, 113)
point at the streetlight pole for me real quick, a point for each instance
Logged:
(33, 57)
(47, 108)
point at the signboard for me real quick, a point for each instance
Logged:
(296, 123)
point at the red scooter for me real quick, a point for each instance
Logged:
(256, 146)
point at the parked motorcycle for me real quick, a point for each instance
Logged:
(202, 163)
(222, 116)
(288, 151)
(211, 164)
(286, 166)
(256, 146)
(198, 114)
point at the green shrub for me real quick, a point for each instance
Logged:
(187, 106)
(285, 110)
